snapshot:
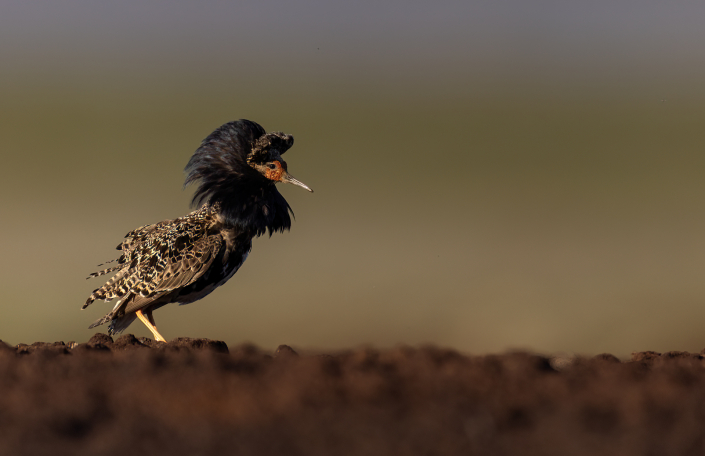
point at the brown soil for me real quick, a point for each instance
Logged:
(193, 397)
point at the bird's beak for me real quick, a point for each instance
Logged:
(289, 179)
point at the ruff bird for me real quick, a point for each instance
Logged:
(182, 260)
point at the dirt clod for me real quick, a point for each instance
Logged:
(285, 352)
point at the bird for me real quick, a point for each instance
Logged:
(235, 171)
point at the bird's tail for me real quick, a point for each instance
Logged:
(101, 321)
(117, 324)
(120, 324)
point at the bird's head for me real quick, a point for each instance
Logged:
(266, 158)
(239, 156)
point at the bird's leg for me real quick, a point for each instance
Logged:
(150, 317)
(149, 323)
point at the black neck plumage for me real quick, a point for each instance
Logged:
(253, 209)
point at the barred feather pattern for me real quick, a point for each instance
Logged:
(163, 257)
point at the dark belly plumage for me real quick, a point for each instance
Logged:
(224, 266)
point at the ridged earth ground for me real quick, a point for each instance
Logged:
(197, 397)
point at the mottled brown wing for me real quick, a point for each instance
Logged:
(132, 240)
(182, 266)
(185, 262)
(162, 257)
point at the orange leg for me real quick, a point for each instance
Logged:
(149, 323)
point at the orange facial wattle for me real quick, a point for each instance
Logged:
(276, 173)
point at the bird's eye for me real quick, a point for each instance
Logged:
(271, 166)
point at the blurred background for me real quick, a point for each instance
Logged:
(488, 175)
